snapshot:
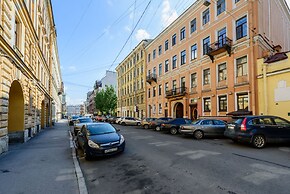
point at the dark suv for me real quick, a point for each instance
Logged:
(258, 130)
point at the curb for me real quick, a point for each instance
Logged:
(80, 178)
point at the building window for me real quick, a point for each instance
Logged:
(154, 54)
(205, 17)
(160, 109)
(206, 44)
(160, 50)
(159, 90)
(193, 25)
(174, 61)
(222, 103)
(182, 83)
(241, 27)
(174, 84)
(149, 93)
(154, 71)
(220, 6)
(182, 33)
(173, 39)
(193, 80)
(166, 87)
(222, 72)
(166, 45)
(149, 56)
(160, 69)
(166, 65)
(206, 77)
(242, 66)
(154, 91)
(206, 105)
(17, 34)
(193, 52)
(183, 57)
(242, 101)
(222, 35)
(236, 1)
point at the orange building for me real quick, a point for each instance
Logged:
(204, 63)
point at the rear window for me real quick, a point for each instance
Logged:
(85, 120)
(236, 121)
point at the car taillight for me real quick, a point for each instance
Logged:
(244, 125)
(163, 125)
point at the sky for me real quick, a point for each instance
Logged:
(91, 36)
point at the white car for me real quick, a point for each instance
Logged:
(118, 120)
(130, 121)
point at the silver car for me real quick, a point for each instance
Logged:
(204, 127)
(130, 121)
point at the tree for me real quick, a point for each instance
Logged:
(106, 100)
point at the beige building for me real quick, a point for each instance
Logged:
(30, 76)
(204, 63)
(274, 85)
(131, 80)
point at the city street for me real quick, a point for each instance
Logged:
(154, 162)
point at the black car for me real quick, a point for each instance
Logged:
(156, 124)
(204, 127)
(99, 139)
(258, 130)
(173, 125)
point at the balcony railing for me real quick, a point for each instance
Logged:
(176, 92)
(151, 77)
(219, 46)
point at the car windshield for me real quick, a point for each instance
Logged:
(85, 120)
(99, 129)
(196, 122)
(75, 117)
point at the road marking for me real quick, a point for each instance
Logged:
(142, 137)
(197, 154)
(284, 149)
(164, 143)
(264, 173)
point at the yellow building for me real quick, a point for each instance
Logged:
(30, 76)
(131, 80)
(274, 85)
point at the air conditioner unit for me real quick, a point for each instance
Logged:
(206, 2)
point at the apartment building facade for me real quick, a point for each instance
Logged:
(204, 63)
(30, 76)
(131, 80)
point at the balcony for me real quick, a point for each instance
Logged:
(177, 92)
(151, 78)
(219, 46)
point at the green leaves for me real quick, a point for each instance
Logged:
(106, 100)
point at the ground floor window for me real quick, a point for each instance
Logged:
(243, 101)
(222, 103)
(206, 104)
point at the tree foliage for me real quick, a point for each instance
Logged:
(106, 100)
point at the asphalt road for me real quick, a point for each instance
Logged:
(155, 162)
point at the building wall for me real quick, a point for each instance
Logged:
(233, 86)
(274, 87)
(131, 78)
(27, 33)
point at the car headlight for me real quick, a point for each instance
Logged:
(122, 139)
(93, 144)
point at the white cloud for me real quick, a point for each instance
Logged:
(70, 101)
(168, 15)
(142, 34)
(72, 68)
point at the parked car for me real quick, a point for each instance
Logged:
(118, 120)
(258, 130)
(80, 122)
(99, 139)
(72, 120)
(156, 124)
(173, 125)
(146, 121)
(130, 121)
(204, 127)
(112, 119)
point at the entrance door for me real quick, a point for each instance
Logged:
(179, 110)
(193, 112)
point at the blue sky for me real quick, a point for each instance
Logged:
(91, 33)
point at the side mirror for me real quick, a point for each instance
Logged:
(118, 130)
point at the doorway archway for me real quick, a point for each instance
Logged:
(179, 110)
(15, 108)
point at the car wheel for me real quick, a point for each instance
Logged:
(173, 131)
(123, 123)
(138, 124)
(259, 141)
(157, 128)
(198, 134)
(146, 126)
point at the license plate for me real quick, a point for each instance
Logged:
(111, 150)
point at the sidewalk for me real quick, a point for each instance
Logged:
(44, 164)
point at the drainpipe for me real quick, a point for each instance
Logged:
(265, 89)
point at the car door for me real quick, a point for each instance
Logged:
(283, 126)
(219, 127)
(265, 126)
(207, 127)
